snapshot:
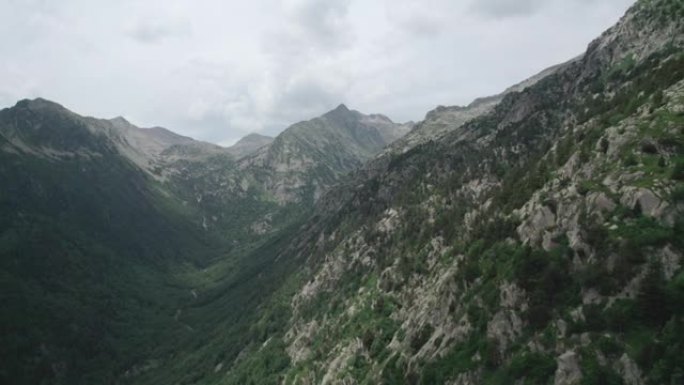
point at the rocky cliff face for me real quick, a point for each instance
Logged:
(309, 156)
(536, 240)
(532, 237)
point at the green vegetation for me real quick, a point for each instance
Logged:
(481, 257)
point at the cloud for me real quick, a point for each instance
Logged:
(217, 70)
(422, 19)
(507, 8)
(301, 74)
(151, 31)
(298, 74)
(321, 24)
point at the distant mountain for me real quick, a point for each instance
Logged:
(308, 157)
(106, 231)
(249, 144)
(83, 233)
(532, 237)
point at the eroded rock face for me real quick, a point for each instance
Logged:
(643, 200)
(335, 372)
(568, 371)
(629, 371)
(670, 261)
(505, 327)
(299, 349)
(512, 296)
(540, 220)
(441, 300)
(601, 202)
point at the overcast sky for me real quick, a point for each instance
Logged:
(219, 69)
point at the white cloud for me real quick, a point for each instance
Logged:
(216, 70)
(152, 31)
(507, 8)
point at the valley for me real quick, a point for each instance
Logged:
(531, 237)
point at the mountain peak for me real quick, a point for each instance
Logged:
(253, 137)
(342, 108)
(40, 103)
(248, 144)
(340, 111)
(120, 120)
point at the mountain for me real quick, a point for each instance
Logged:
(539, 241)
(308, 157)
(109, 232)
(245, 198)
(249, 144)
(531, 237)
(444, 119)
(85, 239)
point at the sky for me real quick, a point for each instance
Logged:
(217, 70)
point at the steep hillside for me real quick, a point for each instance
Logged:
(246, 198)
(539, 242)
(123, 247)
(85, 238)
(532, 237)
(443, 120)
(308, 157)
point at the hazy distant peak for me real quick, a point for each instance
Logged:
(120, 120)
(121, 123)
(341, 111)
(341, 108)
(380, 117)
(164, 132)
(40, 103)
(253, 137)
(249, 144)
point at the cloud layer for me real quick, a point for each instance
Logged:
(217, 70)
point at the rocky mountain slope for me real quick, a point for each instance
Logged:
(444, 119)
(532, 237)
(249, 144)
(123, 227)
(309, 156)
(540, 242)
(264, 190)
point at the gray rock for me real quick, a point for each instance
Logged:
(644, 199)
(629, 371)
(568, 371)
(505, 327)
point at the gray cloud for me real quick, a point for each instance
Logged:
(321, 22)
(155, 31)
(217, 70)
(507, 8)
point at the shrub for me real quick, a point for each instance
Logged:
(652, 298)
(419, 339)
(678, 193)
(620, 317)
(609, 346)
(678, 170)
(535, 368)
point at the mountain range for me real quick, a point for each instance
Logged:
(531, 237)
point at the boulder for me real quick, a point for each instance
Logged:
(568, 371)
